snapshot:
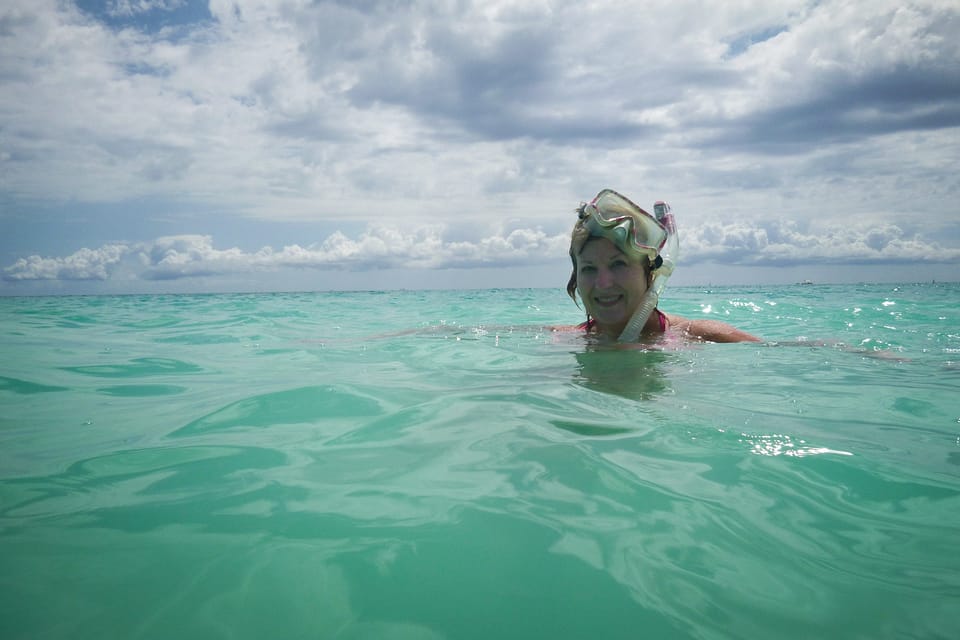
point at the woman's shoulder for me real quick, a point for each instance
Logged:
(709, 330)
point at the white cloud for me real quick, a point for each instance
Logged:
(384, 248)
(785, 244)
(85, 264)
(187, 256)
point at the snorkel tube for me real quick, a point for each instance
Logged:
(667, 258)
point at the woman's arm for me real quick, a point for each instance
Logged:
(709, 330)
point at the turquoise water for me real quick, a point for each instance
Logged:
(300, 466)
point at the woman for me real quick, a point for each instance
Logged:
(622, 257)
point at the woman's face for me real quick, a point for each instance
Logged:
(610, 285)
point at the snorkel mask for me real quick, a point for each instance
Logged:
(641, 236)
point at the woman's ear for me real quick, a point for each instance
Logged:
(651, 267)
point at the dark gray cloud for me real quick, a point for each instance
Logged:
(848, 109)
(834, 79)
(499, 84)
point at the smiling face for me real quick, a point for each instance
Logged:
(610, 285)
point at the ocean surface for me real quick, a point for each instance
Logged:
(440, 464)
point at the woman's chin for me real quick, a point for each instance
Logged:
(610, 316)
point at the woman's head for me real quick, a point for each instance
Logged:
(633, 231)
(614, 247)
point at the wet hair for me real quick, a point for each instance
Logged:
(578, 239)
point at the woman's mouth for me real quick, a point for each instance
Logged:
(607, 301)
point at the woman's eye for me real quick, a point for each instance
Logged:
(587, 269)
(616, 264)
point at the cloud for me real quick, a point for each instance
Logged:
(333, 90)
(186, 256)
(385, 248)
(785, 244)
(85, 264)
(471, 114)
(840, 75)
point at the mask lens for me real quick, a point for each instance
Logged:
(612, 209)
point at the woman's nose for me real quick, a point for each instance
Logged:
(604, 277)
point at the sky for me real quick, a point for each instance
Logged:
(235, 145)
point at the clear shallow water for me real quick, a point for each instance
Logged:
(288, 465)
